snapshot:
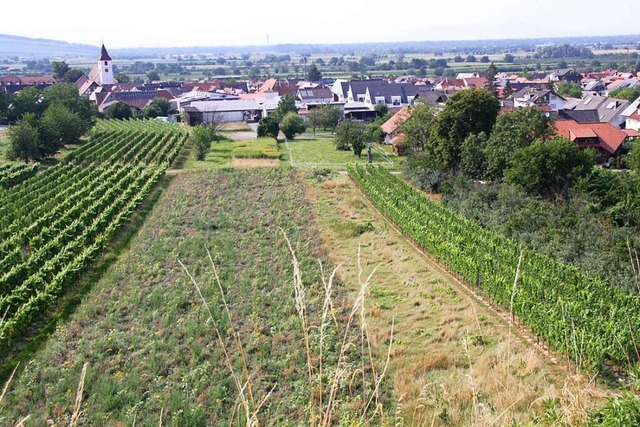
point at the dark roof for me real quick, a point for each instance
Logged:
(582, 116)
(403, 90)
(104, 55)
(432, 97)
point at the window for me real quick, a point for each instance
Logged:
(106, 63)
(106, 70)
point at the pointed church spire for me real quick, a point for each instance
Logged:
(104, 56)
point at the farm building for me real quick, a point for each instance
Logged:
(207, 112)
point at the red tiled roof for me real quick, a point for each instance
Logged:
(394, 122)
(478, 82)
(610, 138)
(632, 133)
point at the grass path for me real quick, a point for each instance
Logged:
(456, 362)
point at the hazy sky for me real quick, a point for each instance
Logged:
(136, 23)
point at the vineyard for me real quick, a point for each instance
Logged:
(56, 223)
(14, 173)
(577, 315)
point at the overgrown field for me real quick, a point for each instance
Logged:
(151, 348)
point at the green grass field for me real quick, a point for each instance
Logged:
(308, 150)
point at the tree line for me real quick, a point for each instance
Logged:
(45, 120)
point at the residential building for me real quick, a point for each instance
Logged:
(545, 99)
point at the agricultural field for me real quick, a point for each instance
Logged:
(56, 224)
(159, 348)
(223, 307)
(455, 361)
(546, 295)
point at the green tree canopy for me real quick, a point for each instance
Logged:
(572, 90)
(59, 126)
(512, 131)
(467, 112)
(28, 100)
(417, 128)
(268, 126)
(314, 74)
(325, 116)
(59, 68)
(287, 104)
(630, 94)
(472, 155)
(292, 125)
(122, 78)
(201, 138)
(153, 76)
(350, 135)
(549, 168)
(159, 107)
(119, 110)
(73, 75)
(23, 142)
(66, 94)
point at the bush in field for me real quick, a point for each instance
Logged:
(268, 126)
(201, 139)
(292, 125)
(23, 142)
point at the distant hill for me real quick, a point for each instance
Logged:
(41, 48)
(26, 47)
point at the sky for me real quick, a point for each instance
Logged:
(122, 24)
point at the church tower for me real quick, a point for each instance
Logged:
(105, 76)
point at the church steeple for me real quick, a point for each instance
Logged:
(104, 55)
(105, 69)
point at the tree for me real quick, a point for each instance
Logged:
(549, 168)
(286, 104)
(122, 78)
(324, 116)
(490, 74)
(23, 142)
(73, 75)
(159, 107)
(153, 76)
(59, 126)
(417, 128)
(472, 155)
(512, 131)
(562, 64)
(382, 109)
(569, 89)
(633, 158)
(466, 112)
(350, 135)
(509, 58)
(28, 100)
(292, 125)
(66, 94)
(314, 75)
(5, 101)
(484, 59)
(471, 58)
(630, 94)
(268, 126)
(59, 68)
(120, 110)
(458, 58)
(201, 137)
(425, 171)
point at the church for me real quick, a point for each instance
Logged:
(101, 87)
(100, 79)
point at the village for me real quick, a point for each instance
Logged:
(595, 119)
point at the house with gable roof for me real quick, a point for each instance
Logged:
(632, 115)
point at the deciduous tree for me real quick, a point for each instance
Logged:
(549, 168)
(292, 125)
(23, 142)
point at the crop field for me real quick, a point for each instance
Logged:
(454, 360)
(54, 225)
(152, 351)
(580, 316)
